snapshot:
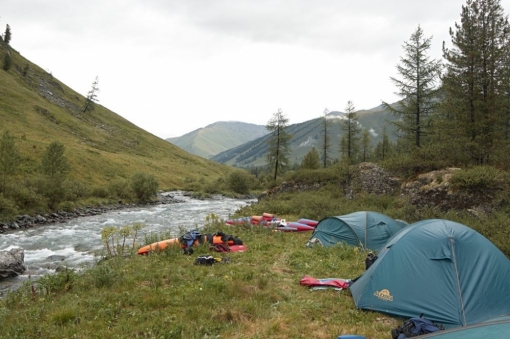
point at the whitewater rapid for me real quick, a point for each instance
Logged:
(76, 242)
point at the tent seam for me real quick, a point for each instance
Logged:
(458, 282)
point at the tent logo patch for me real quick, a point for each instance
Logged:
(384, 295)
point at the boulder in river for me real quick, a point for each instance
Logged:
(12, 263)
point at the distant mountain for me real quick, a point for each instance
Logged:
(305, 136)
(218, 137)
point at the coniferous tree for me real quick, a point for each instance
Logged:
(92, 96)
(55, 167)
(417, 88)
(365, 145)
(7, 34)
(326, 144)
(349, 142)
(383, 147)
(474, 108)
(278, 143)
(7, 62)
(9, 158)
(311, 160)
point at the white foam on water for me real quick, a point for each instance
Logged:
(77, 240)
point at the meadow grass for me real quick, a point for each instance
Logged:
(256, 295)
(164, 295)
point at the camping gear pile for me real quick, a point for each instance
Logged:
(270, 220)
(219, 242)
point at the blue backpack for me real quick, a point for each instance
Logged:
(188, 238)
(414, 327)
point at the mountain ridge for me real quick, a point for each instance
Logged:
(217, 137)
(305, 136)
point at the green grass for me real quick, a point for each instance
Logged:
(165, 295)
(256, 295)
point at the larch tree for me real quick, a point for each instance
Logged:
(417, 86)
(365, 145)
(92, 96)
(351, 128)
(475, 103)
(383, 148)
(278, 143)
(326, 143)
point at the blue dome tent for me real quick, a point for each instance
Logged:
(439, 268)
(493, 329)
(370, 230)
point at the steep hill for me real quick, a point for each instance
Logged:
(218, 137)
(305, 136)
(101, 145)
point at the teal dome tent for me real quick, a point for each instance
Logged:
(494, 329)
(439, 268)
(370, 230)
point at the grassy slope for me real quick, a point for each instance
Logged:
(100, 144)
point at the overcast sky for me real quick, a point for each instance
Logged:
(171, 67)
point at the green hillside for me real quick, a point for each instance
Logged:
(37, 109)
(218, 137)
(305, 136)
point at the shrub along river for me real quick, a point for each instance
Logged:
(76, 242)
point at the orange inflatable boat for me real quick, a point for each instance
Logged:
(213, 239)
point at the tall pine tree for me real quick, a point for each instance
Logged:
(474, 108)
(417, 87)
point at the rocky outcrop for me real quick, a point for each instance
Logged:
(375, 180)
(368, 178)
(12, 263)
(433, 189)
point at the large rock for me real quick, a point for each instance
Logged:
(433, 189)
(12, 263)
(375, 180)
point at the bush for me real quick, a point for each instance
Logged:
(100, 192)
(308, 176)
(8, 208)
(144, 185)
(240, 181)
(76, 190)
(119, 188)
(480, 178)
(26, 198)
(67, 206)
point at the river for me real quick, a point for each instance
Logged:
(78, 240)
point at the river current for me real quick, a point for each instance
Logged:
(76, 242)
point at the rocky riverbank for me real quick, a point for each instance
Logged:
(28, 221)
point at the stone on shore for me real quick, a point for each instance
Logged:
(12, 263)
